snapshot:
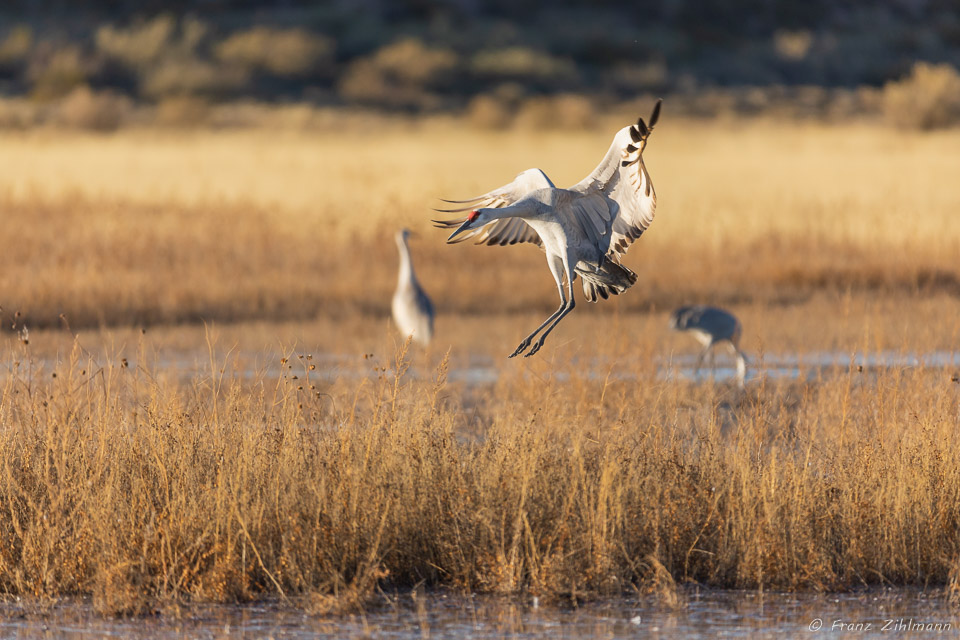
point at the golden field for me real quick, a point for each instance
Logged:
(150, 227)
(294, 448)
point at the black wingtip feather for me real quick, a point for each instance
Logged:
(459, 201)
(447, 224)
(656, 113)
(634, 134)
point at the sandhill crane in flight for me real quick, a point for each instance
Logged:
(710, 326)
(412, 309)
(584, 229)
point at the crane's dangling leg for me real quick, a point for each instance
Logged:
(703, 354)
(556, 269)
(571, 303)
(741, 363)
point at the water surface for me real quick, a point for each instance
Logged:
(901, 613)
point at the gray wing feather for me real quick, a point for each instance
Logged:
(423, 302)
(591, 214)
(506, 230)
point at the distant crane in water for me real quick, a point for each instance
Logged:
(710, 326)
(584, 230)
(412, 309)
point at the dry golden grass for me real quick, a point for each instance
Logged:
(119, 483)
(153, 227)
(133, 477)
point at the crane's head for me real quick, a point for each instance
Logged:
(403, 235)
(639, 133)
(679, 318)
(474, 220)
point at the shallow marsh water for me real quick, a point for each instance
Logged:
(477, 370)
(904, 613)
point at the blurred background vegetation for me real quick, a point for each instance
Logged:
(112, 63)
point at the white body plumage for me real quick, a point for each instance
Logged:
(412, 309)
(584, 229)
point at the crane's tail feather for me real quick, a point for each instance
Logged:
(609, 279)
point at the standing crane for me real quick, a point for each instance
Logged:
(584, 230)
(412, 309)
(710, 326)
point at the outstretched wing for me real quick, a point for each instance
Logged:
(623, 177)
(506, 230)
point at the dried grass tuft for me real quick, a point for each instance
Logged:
(139, 490)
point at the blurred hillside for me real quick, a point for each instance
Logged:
(103, 64)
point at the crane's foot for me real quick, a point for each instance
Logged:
(534, 349)
(523, 345)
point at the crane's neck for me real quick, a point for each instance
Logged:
(526, 208)
(405, 274)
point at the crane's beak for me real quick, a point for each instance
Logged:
(464, 227)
